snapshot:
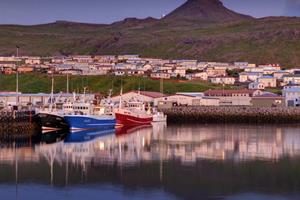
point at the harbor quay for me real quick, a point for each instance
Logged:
(18, 124)
(232, 114)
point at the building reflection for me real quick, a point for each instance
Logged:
(159, 143)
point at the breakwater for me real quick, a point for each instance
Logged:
(17, 124)
(233, 115)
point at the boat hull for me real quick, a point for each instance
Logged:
(77, 122)
(52, 122)
(129, 120)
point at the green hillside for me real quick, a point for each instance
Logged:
(35, 83)
(203, 30)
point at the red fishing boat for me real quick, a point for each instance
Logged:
(130, 117)
(132, 113)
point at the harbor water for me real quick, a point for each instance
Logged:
(212, 161)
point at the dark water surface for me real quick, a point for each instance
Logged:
(175, 162)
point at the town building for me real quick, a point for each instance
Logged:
(226, 80)
(233, 97)
(256, 86)
(33, 61)
(214, 71)
(292, 96)
(249, 76)
(160, 75)
(185, 99)
(268, 81)
(292, 79)
(143, 96)
(268, 100)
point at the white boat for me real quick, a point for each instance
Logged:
(159, 117)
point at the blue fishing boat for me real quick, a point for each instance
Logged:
(80, 122)
(81, 115)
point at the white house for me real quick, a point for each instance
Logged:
(268, 81)
(292, 96)
(293, 79)
(249, 76)
(160, 75)
(33, 61)
(223, 80)
(280, 74)
(256, 86)
(119, 72)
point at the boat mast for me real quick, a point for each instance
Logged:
(84, 94)
(52, 92)
(120, 101)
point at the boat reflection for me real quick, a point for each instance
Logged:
(159, 143)
(245, 158)
(87, 135)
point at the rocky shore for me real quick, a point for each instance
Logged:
(233, 115)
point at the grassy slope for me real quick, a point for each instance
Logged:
(266, 40)
(34, 83)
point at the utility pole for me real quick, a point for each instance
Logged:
(67, 83)
(17, 77)
(161, 85)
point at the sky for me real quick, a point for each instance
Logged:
(28, 12)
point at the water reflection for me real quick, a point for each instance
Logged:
(189, 162)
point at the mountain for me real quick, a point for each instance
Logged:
(199, 29)
(205, 10)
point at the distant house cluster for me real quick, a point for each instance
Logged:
(252, 77)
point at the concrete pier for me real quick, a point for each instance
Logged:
(239, 114)
(17, 124)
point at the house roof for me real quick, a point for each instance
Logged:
(292, 75)
(268, 95)
(151, 94)
(294, 89)
(228, 92)
(146, 93)
(250, 73)
(221, 77)
(266, 76)
(194, 94)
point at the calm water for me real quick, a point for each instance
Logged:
(159, 162)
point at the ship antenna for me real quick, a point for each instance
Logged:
(121, 93)
(84, 93)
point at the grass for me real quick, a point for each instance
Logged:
(36, 83)
(257, 41)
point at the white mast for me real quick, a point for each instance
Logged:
(52, 93)
(120, 102)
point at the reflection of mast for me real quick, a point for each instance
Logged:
(67, 169)
(16, 170)
(52, 156)
(120, 158)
